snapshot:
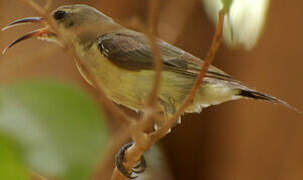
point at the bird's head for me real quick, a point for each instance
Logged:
(72, 22)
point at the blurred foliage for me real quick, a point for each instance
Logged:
(12, 165)
(59, 130)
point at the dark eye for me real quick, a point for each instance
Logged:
(59, 14)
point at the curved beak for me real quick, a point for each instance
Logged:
(39, 33)
(34, 20)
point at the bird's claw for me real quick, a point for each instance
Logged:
(138, 168)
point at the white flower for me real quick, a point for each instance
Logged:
(243, 23)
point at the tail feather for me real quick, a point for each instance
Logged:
(258, 95)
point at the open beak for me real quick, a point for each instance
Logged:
(39, 33)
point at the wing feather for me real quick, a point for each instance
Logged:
(131, 50)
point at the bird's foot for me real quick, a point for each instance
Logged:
(137, 169)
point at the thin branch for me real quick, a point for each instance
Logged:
(133, 154)
(35, 6)
(116, 141)
(141, 140)
(217, 39)
(151, 33)
(153, 18)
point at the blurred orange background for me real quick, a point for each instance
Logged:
(233, 141)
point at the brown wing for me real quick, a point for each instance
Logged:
(131, 50)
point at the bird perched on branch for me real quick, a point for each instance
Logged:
(121, 61)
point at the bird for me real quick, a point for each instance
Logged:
(121, 61)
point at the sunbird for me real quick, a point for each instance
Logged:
(121, 61)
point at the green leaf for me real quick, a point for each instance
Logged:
(226, 5)
(59, 129)
(12, 166)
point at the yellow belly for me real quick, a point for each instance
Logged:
(131, 88)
